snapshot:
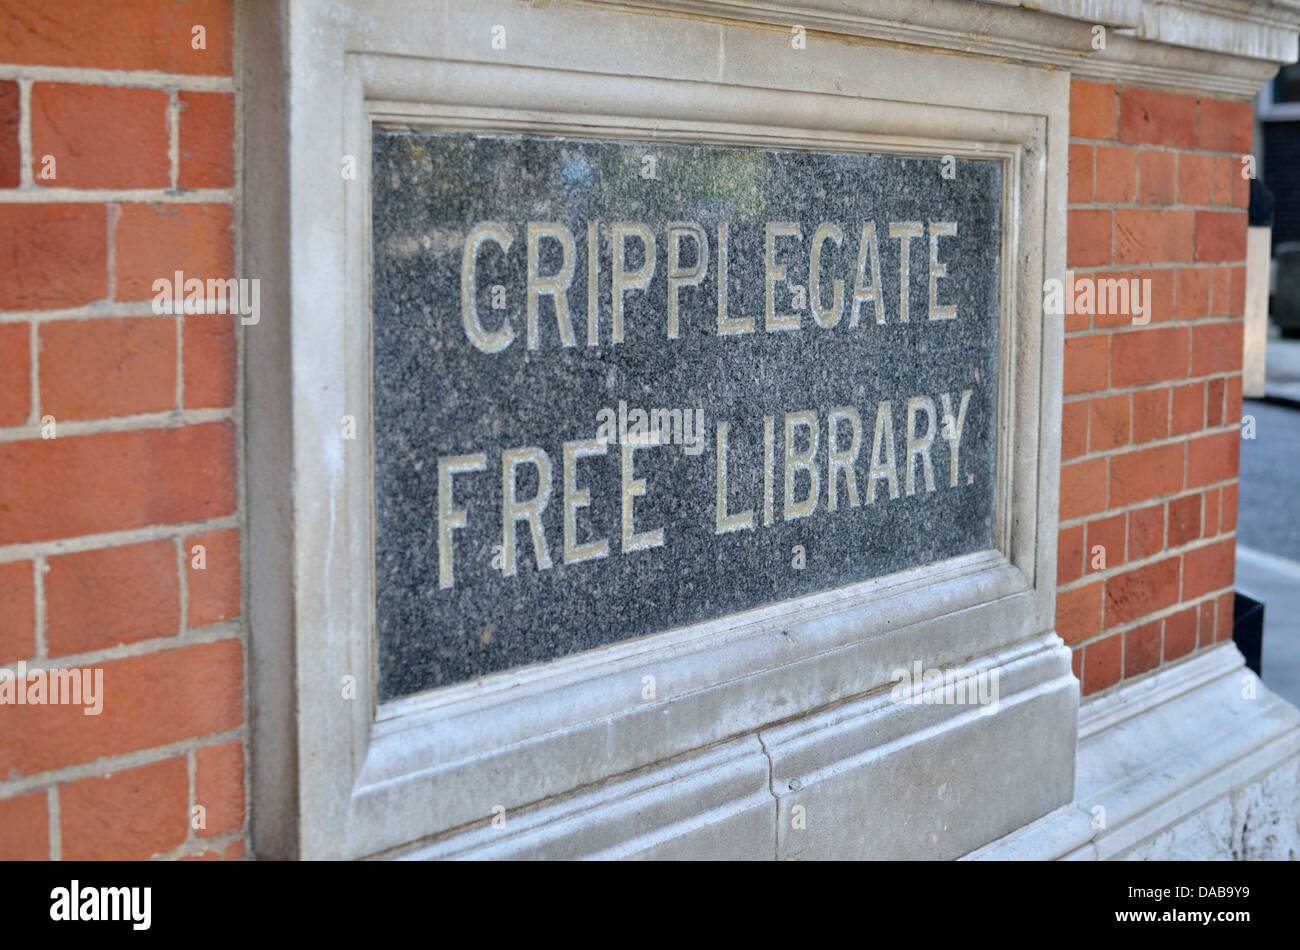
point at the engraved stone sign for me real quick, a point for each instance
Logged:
(622, 386)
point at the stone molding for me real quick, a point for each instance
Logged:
(1220, 48)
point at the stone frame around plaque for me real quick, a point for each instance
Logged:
(338, 777)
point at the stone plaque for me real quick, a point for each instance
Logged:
(624, 386)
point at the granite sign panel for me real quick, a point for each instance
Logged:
(623, 386)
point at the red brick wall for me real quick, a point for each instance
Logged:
(98, 525)
(1149, 437)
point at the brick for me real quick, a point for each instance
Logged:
(1069, 554)
(1101, 664)
(1221, 183)
(154, 241)
(104, 34)
(15, 374)
(148, 701)
(1206, 635)
(18, 608)
(1228, 508)
(1108, 427)
(1216, 348)
(1208, 568)
(1220, 236)
(210, 361)
(1143, 474)
(1211, 519)
(1152, 117)
(129, 815)
(1195, 179)
(1193, 293)
(1150, 414)
(1093, 110)
(1221, 292)
(100, 136)
(1159, 294)
(1237, 292)
(25, 828)
(1108, 535)
(97, 369)
(1117, 304)
(109, 596)
(1225, 126)
(214, 590)
(1147, 236)
(1141, 591)
(1088, 242)
(1146, 531)
(207, 137)
(1076, 662)
(219, 788)
(1142, 648)
(74, 485)
(1232, 401)
(1140, 357)
(1116, 175)
(55, 255)
(1213, 458)
(1240, 187)
(1180, 634)
(10, 153)
(1074, 429)
(1078, 613)
(1214, 391)
(1156, 177)
(1083, 488)
(1223, 629)
(1087, 364)
(1188, 412)
(1080, 174)
(235, 851)
(1184, 520)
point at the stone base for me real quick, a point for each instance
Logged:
(1199, 761)
(864, 779)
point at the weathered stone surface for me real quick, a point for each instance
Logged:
(439, 395)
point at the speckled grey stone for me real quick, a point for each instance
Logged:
(436, 395)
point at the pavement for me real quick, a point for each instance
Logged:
(1276, 582)
(1282, 368)
(1268, 517)
(1268, 520)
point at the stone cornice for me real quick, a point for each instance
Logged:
(1221, 48)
